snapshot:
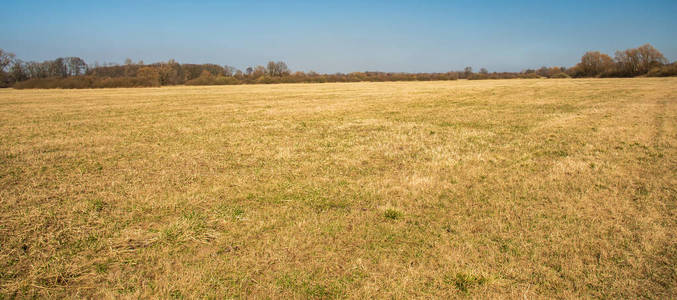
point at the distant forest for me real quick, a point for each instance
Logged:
(74, 72)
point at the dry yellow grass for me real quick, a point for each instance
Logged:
(536, 188)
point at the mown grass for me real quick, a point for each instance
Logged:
(553, 188)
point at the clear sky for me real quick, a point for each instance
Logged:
(338, 36)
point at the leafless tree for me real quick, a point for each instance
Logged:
(17, 71)
(467, 71)
(6, 59)
(229, 70)
(277, 68)
(76, 66)
(637, 61)
(594, 63)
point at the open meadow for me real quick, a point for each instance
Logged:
(540, 188)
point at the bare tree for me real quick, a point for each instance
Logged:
(594, 63)
(57, 68)
(76, 66)
(18, 71)
(282, 68)
(638, 61)
(467, 71)
(34, 69)
(169, 72)
(277, 68)
(271, 69)
(6, 59)
(258, 71)
(229, 70)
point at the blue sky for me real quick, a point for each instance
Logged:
(338, 36)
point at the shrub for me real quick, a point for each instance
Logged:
(529, 76)
(662, 71)
(84, 82)
(560, 75)
(213, 80)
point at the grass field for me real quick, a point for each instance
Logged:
(514, 188)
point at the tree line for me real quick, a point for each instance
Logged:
(643, 60)
(73, 72)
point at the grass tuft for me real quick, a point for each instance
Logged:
(464, 282)
(392, 214)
